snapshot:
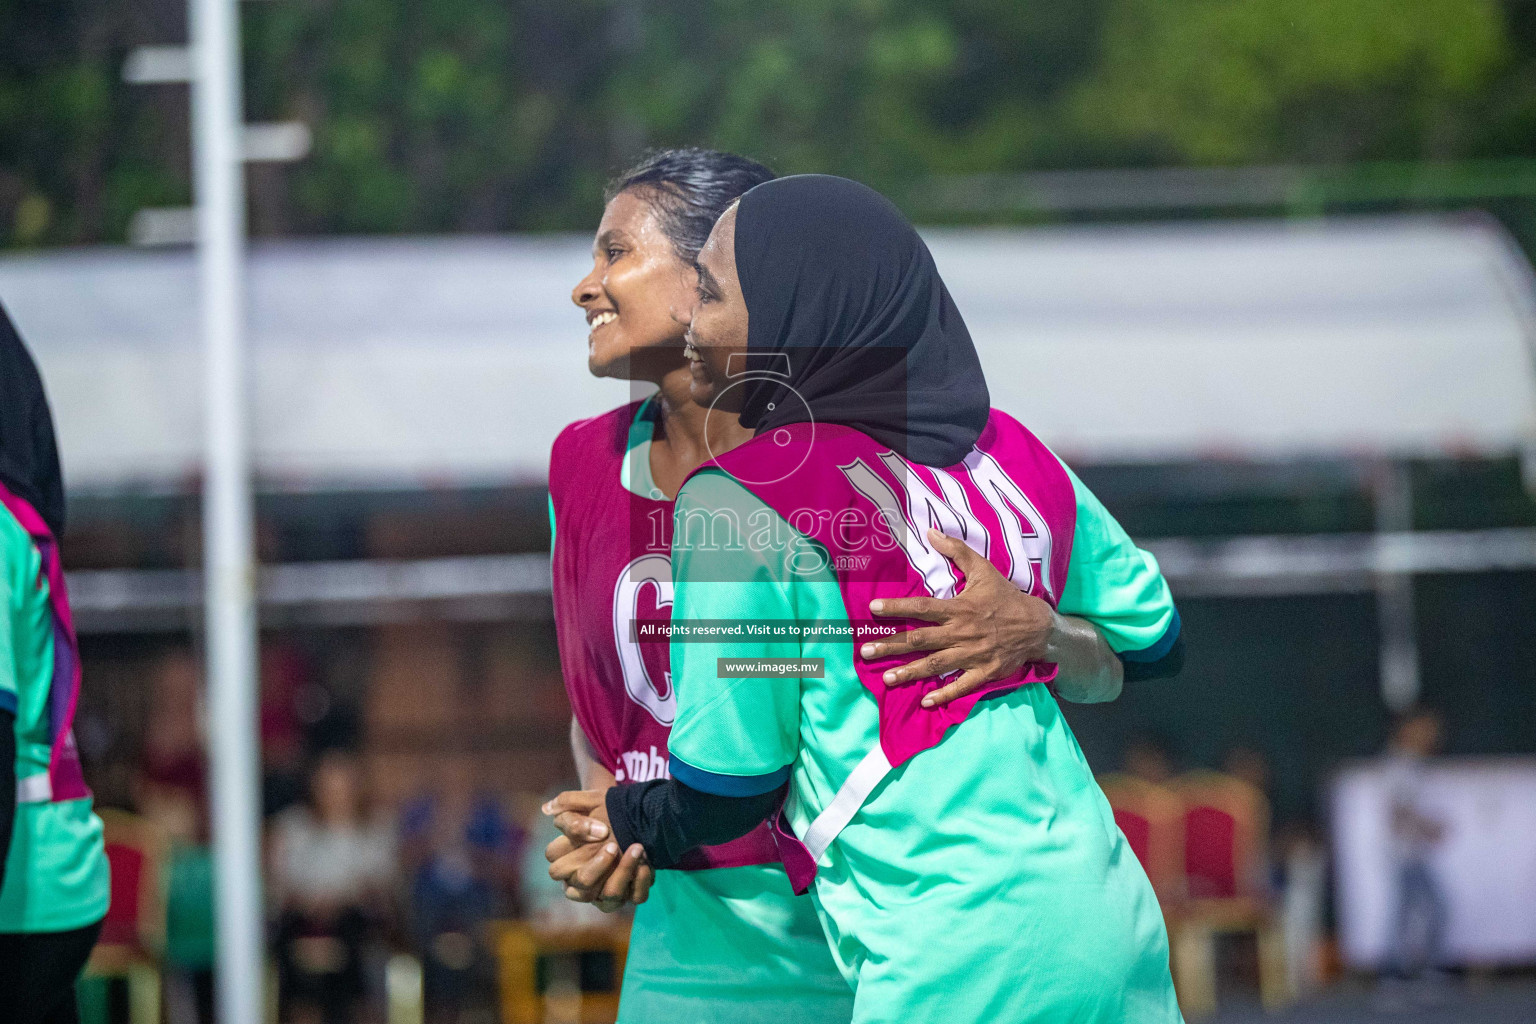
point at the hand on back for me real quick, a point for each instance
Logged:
(988, 631)
(587, 860)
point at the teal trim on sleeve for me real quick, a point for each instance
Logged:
(1159, 650)
(725, 785)
(1114, 584)
(551, 524)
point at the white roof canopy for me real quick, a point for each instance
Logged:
(457, 360)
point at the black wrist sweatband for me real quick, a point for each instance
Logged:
(669, 818)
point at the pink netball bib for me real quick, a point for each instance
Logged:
(869, 511)
(612, 569)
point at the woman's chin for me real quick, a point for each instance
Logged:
(649, 362)
(701, 388)
(604, 362)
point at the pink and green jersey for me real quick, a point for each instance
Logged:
(56, 868)
(725, 940)
(966, 865)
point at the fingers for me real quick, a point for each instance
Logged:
(616, 886)
(643, 879)
(580, 800)
(616, 890)
(563, 865)
(927, 639)
(932, 667)
(966, 558)
(583, 870)
(969, 682)
(576, 894)
(579, 827)
(559, 847)
(956, 550)
(592, 873)
(929, 609)
(565, 869)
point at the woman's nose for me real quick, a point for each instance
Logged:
(586, 290)
(682, 313)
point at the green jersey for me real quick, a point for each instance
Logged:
(984, 878)
(56, 869)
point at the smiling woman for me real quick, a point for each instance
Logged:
(730, 943)
(637, 280)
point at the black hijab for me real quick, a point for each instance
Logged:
(840, 287)
(29, 456)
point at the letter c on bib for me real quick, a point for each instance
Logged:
(656, 570)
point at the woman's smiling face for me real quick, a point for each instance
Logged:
(717, 325)
(636, 283)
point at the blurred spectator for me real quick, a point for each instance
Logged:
(1147, 759)
(461, 851)
(1248, 764)
(1418, 926)
(188, 954)
(172, 793)
(332, 873)
(173, 777)
(285, 674)
(1303, 905)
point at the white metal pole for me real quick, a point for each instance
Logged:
(228, 549)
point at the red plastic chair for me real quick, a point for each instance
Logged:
(1217, 840)
(1225, 828)
(134, 928)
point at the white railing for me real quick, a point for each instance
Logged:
(489, 586)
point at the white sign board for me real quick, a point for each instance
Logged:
(1485, 863)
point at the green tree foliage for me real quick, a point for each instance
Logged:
(481, 115)
(75, 146)
(1231, 81)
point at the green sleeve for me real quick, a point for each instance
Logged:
(1114, 584)
(13, 562)
(732, 737)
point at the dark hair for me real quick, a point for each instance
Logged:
(689, 189)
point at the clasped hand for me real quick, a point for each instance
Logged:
(586, 858)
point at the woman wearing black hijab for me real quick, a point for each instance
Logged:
(53, 881)
(823, 324)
